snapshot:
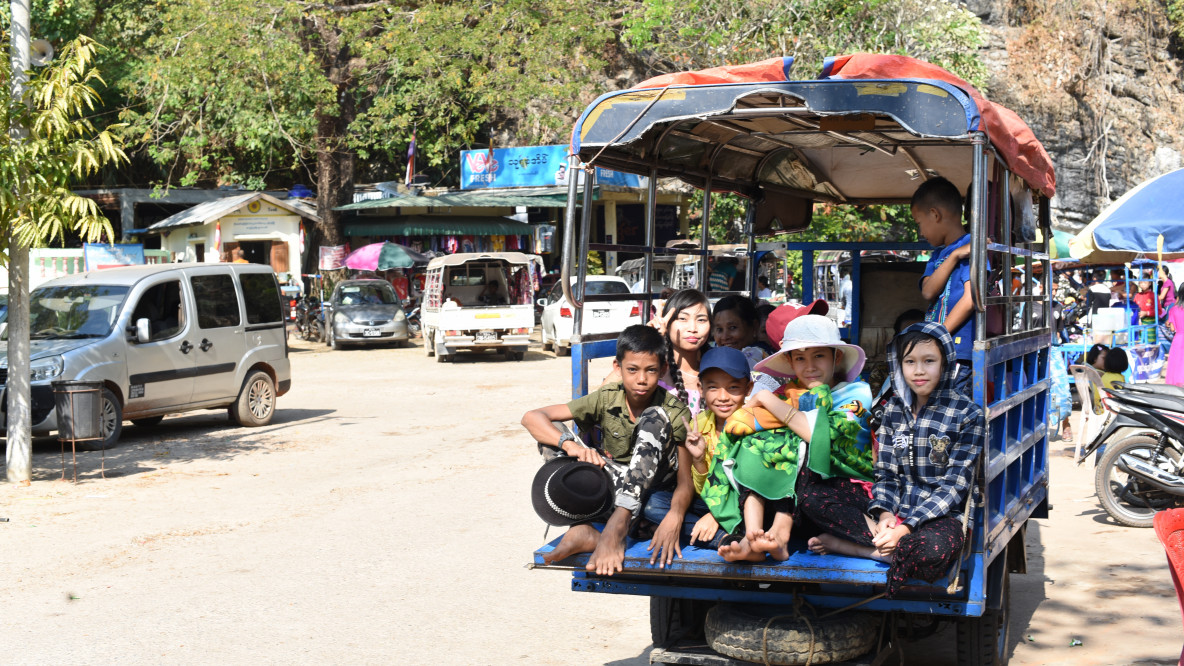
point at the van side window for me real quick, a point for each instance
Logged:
(161, 306)
(262, 297)
(217, 300)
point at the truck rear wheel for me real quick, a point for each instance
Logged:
(740, 633)
(983, 641)
(672, 620)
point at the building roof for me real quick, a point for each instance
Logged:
(437, 225)
(210, 211)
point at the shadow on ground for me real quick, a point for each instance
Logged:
(203, 435)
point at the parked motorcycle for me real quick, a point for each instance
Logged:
(1142, 473)
(413, 323)
(310, 319)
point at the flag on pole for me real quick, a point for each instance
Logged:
(217, 237)
(302, 238)
(411, 158)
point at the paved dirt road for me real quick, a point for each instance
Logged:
(384, 518)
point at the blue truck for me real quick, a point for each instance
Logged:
(867, 130)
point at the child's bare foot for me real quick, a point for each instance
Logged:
(775, 542)
(609, 554)
(740, 550)
(829, 543)
(579, 539)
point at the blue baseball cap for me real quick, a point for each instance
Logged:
(731, 361)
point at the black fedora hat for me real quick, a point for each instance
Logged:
(566, 491)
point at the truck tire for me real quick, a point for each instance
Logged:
(739, 634)
(983, 641)
(429, 343)
(672, 620)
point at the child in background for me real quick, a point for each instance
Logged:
(930, 438)
(1114, 364)
(762, 336)
(937, 209)
(734, 324)
(765, 443)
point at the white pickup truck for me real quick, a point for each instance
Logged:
(479, 301)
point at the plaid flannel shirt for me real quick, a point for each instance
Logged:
(925, 465)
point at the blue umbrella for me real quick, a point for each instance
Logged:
(1132, 225)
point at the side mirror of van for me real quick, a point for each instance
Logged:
(542, 302)
(143, 331)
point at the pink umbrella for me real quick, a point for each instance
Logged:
(365, 258)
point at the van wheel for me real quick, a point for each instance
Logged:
(546, 341)
(256, 401)
(110, 424)
(333, 343)
(561, 349)
(147, 422)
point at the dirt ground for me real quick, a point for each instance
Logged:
(384, 517)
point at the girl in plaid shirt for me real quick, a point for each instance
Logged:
(929, 441)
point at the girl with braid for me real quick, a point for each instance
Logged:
(685, 323)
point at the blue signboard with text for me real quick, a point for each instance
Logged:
(528, 166)
(102, 255)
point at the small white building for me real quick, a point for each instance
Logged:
(267, 230)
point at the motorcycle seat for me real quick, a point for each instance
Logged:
(1153, 400)
(1163, 389)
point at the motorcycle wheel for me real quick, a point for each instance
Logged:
(318, 332)
(1129, 500)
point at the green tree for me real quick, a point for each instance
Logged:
(59, 146)
(252, 92)
(690, 34)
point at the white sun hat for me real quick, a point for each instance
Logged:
(814, 331)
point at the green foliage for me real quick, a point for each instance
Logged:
(59, 146)
(230, 91)
(690, 34)
(1176, 16)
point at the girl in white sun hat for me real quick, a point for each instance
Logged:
(818, 420)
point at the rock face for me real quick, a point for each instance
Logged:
(1100, 84)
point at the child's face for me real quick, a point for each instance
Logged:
(689, 330)
(922, 368)
(640, 373)
(928, 225)
(723, 393)
(731, 331)
(814, 366)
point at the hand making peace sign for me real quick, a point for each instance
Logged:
(696, 444)
(662, 322)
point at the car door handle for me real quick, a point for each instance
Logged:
(206, 344)
(185, 347)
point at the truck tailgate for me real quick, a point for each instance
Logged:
(468, 319)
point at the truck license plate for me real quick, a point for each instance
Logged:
(486, 336)
(370, 333)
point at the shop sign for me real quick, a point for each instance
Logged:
(101, 255)
(528, 166)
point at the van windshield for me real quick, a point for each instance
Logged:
(79, 311)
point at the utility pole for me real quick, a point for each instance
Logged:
(19, 458)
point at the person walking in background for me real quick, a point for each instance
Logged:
(1175, 373)
(1167, 292)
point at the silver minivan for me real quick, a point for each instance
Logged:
(163, 338)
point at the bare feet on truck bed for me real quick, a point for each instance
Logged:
(739, 550)
(609, 555)
(775, 542)
(579, 539)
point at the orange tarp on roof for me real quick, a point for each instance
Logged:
(774, 70)
(1010, 135)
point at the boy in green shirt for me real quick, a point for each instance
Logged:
(641, 432)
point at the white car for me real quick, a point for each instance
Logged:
(610, 317)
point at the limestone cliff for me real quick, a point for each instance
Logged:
(1101, 85)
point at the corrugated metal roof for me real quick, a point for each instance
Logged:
(219, 208)
(549, 199)
(423, 225)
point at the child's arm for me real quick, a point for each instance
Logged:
(932, 286)
(785, 413)
(961, 310)
(886, 489)
(540, 424)
(665, 543)
(966, 445)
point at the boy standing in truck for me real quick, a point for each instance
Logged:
(937, 209)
